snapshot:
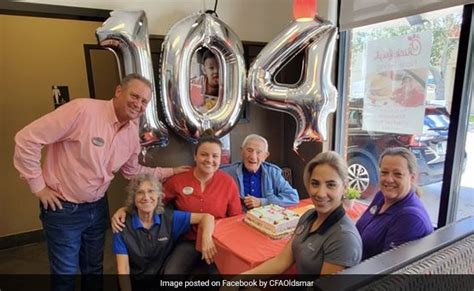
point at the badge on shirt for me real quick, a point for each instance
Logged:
(98, 141)
(188, 190)
(299, 230)
(162, 238)
(373, 210)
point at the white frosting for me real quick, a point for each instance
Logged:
(273, 220)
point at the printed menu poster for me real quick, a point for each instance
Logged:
(396, 73)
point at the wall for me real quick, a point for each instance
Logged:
(263, 20)
(3, 120)
(162, 14)
(35, 54)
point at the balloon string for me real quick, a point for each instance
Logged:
(215, 9)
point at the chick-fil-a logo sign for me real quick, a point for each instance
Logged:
(413, 49)
(400, 51)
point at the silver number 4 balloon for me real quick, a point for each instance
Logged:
(313, 97)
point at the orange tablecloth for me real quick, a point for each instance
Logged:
(241, 247)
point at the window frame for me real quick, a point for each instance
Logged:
(463, 83)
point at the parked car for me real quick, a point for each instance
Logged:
(364, 148)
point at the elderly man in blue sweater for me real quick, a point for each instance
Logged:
(260, 183)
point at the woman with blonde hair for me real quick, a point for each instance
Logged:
(325, 240)
(396, 214)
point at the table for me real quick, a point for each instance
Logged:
(241, 247)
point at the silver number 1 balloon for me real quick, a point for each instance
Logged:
(125, 33)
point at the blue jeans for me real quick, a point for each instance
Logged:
(75, 237)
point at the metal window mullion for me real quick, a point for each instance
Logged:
(464, 79)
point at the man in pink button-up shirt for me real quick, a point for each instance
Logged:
(87, 142)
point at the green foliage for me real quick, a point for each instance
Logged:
(439, 26)
(352, 193)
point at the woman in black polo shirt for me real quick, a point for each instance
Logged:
(325, 240)
(151, 230)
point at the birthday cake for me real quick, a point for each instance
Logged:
(272, 220)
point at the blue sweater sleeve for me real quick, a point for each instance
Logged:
(277, 190)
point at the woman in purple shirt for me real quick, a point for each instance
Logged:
(396, 215)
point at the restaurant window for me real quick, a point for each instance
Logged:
(397, 91)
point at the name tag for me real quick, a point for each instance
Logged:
(98, 141)
(188, 190)
(162, 238)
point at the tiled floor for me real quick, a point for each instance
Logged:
(33, 258)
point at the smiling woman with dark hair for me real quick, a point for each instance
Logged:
(203, 189)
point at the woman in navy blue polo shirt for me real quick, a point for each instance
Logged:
(396, 215)
(151, 230)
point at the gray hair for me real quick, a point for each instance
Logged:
(331, 158)
(134, 76)
(250, 137)
(411, 162)
(132, 189)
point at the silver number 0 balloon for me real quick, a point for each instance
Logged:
(314, 97)
(125, 33)
(181, 43)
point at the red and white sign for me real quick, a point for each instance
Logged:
(395, 92)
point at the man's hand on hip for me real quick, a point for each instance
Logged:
(50, 198)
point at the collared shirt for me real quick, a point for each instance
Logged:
(220, 198)
(404, 221)
(253, 182)
(180, 225)
(336, 241)
(275, 189)
(85, 146)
